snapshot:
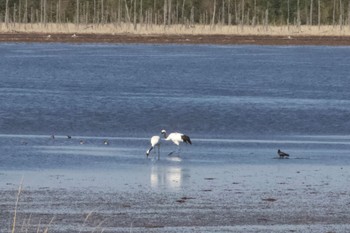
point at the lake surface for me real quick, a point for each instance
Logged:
(239, 104)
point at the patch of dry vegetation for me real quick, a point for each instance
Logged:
(198, 29)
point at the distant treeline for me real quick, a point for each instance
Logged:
(169, 12)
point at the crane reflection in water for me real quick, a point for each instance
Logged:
(172, 177)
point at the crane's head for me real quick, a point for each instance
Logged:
(147, 153)
(163, 132)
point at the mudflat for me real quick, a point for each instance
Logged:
(175, 39)
(161, 198)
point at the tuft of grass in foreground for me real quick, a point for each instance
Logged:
(26, 222)
(16, 205)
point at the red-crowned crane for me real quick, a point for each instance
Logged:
(155, 142)
(176, 138)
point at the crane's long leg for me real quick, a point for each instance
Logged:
(178, 150)
(171, 153)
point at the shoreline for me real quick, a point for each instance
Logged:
(176, 34)
(175, 39)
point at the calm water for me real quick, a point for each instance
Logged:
(239, 104)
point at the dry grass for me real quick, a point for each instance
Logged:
(26, 222)
(87, 217)
(16, 205)
(124, 28)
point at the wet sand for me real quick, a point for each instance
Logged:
(176, 39)
(161, 197)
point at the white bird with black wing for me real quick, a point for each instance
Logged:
(176, 138)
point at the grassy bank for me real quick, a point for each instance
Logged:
(113, 29)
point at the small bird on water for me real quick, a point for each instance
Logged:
(282, 154)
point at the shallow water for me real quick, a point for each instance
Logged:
(239, 104)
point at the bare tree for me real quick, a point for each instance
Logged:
(94, 20)
(7, 13)
(37, 15)
(169, 11)
(236, 13)
(298, 13)
(223, 13)
(319, 14)
(288, 13)
(87, 12)
(229, 15)
(165, 9)
(102, 12)
(192, 16)
(183, 11)
(311, 6)
(254, 16)
(45, 12)
(57, 12)
(177, 12)
(333, 13)
(242, 20)
(19, 11)
(41, 10)
(77, 14)
(306, 8)
(32, 15)
(25, 20)
(341, 14)
(119, 12)
(127, 12)
(140, 13)
(214, 10)
(349, 13)
(267, 19)
(135, 16)
(155, 11)
(14, 14)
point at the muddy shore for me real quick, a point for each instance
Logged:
(227, 211)
(213, 199)
(176, 39)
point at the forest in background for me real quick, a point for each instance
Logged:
(177, 12)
